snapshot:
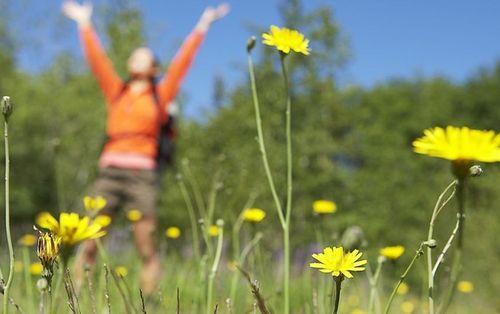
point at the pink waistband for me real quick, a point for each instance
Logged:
(126, 160)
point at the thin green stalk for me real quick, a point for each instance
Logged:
(200, 204)
(419, 253)
(457, 260)
(215, 266)
(289, 182)
(7, 109)
(338, 287)
(262, 146)
(192, 218)
(437, 209)
(373, 285)
(27, 279)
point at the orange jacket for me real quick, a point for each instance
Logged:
(133, 120)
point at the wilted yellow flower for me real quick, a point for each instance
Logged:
(94, 204)
(36, 269)
(403, 289)
(71, 227)
(213, 231)
(324, 207)
(254, 215)
(465, 286)
(459, 144)
(121, 271)
(407, 307)
(134, 215)
(392, 252)
(173, 232)
(47, 248)
(18, 266)
(335, 261)
(286, 40)
(27, 240)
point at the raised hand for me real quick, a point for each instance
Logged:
(211, 15)
(80, 13)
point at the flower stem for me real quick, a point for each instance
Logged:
(7, 218)
(457, 260)
(289, 183)
(338, 287)
(285, 221)
(213, 270)
(430, 234)
(419, 253)
(262, 146)
(192, 218)
(373, 285)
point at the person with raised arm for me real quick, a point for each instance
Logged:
(137, 108)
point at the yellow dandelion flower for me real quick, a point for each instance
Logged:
(173, 232)
(36, 269)
(134, 215)
(465, 286)
(94, 204)
(335, 261)
(71, 227)
(213, 231)
(254, 215)
(27, 240)
(286, 40)
(121, 271)
(403, 289)
(47, 248)
(324, 207)
(18, 266)
(407, 307)
(392, 252)
(459, 144)
(103, 220)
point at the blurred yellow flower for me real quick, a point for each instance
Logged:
(403, 289)
(71, 227)
(335, 261)
(18, 266)
(134, 215)
(121, 271)
(173, 232)
(254, 215)
(459, 144)
(94, 204)
(27, 240)
(36, 269)
(324, 207)
(47, 248)
(407, 307)
(392, 252)
(286, 40)
(465, 286)
(103, 220)
(213, 231)
(353, 300)
(357, 311)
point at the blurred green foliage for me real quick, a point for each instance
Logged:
(351, 145)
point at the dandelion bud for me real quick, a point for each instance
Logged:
(475, 171)
(6, 107)
(431, 243)
(48, 248)
(42, 284)
(251, 43)
(353, 238)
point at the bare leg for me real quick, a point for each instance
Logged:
(151, 268)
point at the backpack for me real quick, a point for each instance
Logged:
(167, 134)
